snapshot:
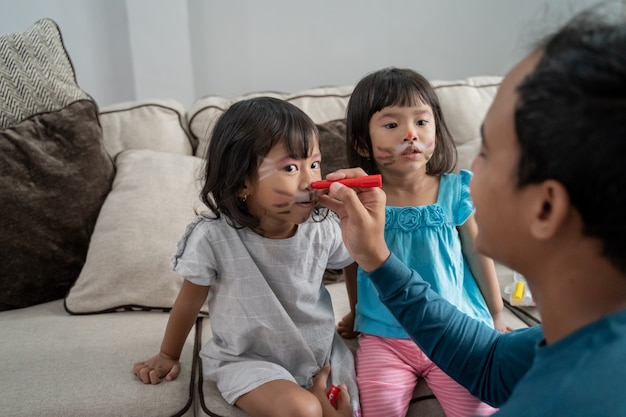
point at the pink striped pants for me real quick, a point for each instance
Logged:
(387, 372)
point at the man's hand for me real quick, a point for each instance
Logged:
(362, 216)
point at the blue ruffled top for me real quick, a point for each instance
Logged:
(426, 239)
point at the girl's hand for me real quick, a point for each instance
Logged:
(342, 408)
(156, 368)
(345, 327)
(500, 325)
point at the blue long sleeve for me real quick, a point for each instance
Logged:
(486, 362)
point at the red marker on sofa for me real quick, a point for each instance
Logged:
(367, 181)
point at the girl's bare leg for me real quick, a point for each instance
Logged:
(280, 398)
(344, 409)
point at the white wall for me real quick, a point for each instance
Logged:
(183, 49)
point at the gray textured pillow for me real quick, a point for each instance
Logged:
(54, 171)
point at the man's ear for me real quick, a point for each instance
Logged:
(551, 209)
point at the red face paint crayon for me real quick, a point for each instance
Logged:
(367, 181)
(333, 394)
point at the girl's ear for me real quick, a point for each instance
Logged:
(245, 192)
(550, 210)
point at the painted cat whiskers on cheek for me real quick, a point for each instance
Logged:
(287, 199)
(266, 168)
(426, 149)
(306, 200)
(284, 200)
(386, 156)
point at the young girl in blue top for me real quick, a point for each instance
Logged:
(259, 255)
(395, 127)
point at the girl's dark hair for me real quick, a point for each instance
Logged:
(242, 136)
(570, 124)
(394, 87)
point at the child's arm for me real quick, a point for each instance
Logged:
(182, 318)
(484, 272)
(345, 327)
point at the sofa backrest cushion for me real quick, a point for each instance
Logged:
(321, 104)
(159, 125)
(464, 102)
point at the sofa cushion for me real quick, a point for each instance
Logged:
(464, 102)
(75, 366)
(153, 198)
(159, 125)
(54, 171)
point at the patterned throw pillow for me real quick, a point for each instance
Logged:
(54, 170)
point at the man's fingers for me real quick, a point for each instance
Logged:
(331, 203)
(348, 198)
(345, 173)
(362, 216)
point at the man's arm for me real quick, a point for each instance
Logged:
(486, 362)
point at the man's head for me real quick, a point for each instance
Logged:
(561, 113)
(571, 125)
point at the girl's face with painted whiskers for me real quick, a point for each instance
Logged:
(281, 195)
(403, 138)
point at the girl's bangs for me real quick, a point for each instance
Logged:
(299, 139)
(404, 96)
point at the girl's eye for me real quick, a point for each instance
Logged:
(315, 165)
(422, 122)
(291, 168)
(391, 125)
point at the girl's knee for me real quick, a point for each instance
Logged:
(280, 399)
(303, 404)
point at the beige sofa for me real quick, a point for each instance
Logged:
(72, 356)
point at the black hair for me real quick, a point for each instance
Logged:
(570, 122)
(394, 87)
(242, 136)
